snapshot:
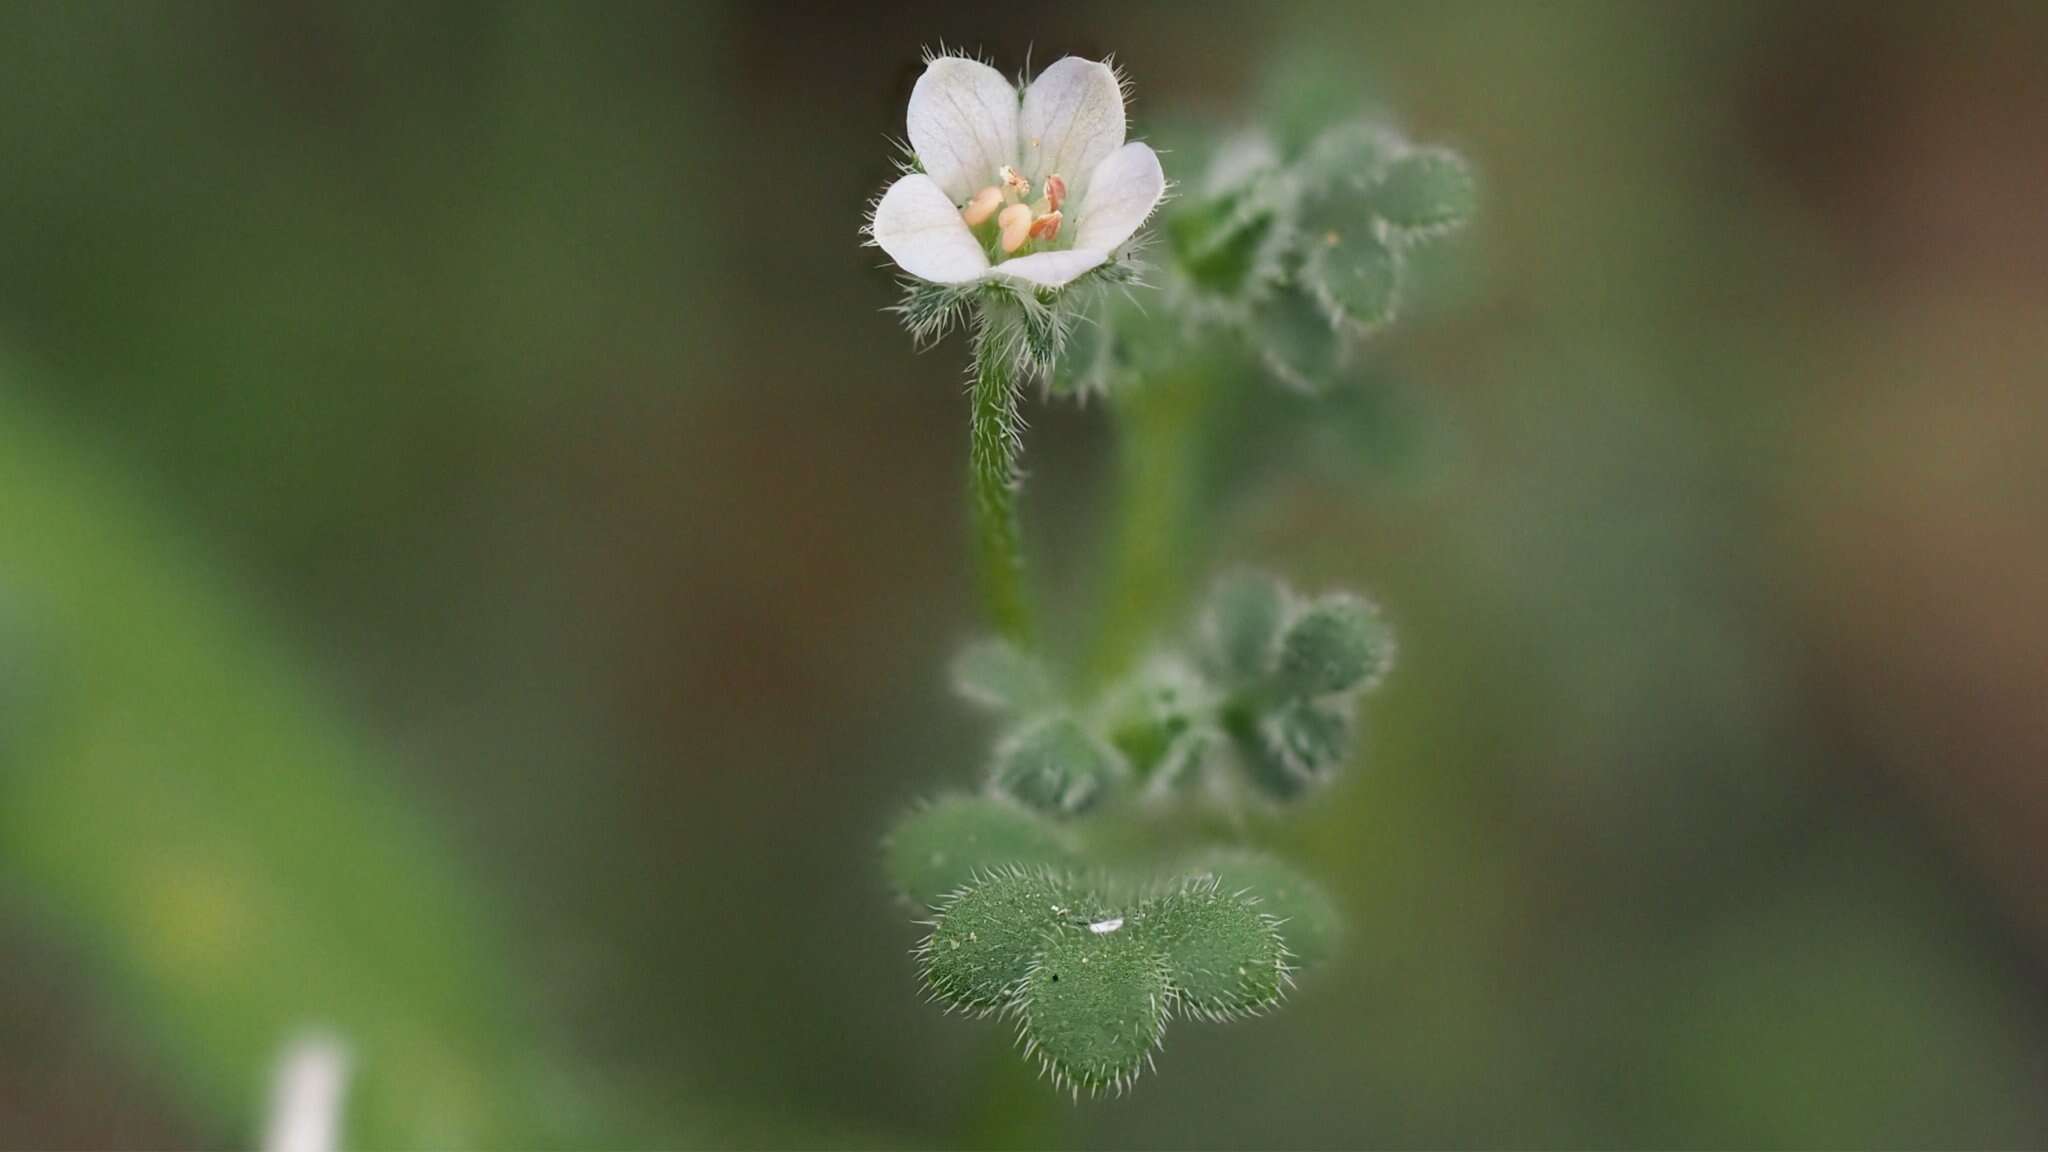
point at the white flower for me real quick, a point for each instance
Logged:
(1039, 189)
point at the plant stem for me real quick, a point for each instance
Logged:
(1159, 459)
(997, 440)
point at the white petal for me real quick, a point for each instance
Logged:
(1122, 192)
(963, 124)
(917, 225)
(1051, 269)
(1073, 117)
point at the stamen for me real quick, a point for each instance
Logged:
(983, 206)
(1046, 227)
(1015, 223)
(1055, 192)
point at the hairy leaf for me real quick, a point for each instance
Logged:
(1428, 190)
(1094, 1005)
(1057, 765)
(1338, 644)
(1308, 920)
(989, 932)
(1223, 953)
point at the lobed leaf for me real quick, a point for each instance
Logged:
(989, 933)
(1307, 918)
(1057, 765)
(1094, 1005)
(1001, 677)
(1223, 953)
(1338, 644)
(941, 846)
(1297, 341)
(1429, 190)
(1296, 744)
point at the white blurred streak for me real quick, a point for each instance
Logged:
(305, 1097)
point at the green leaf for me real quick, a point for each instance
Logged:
(1296, 744)
(1351, 154)
(1241, 628)
(1429, 190)
(1001, 677)
(940, 847)
(1223, 953)
(1355, 275)
(1348, 262)
(1339, 644)
(1184, 762)
(1094, 1005)
(1151, 710)
(1226, 246)
(1057, 765)
(1296, 339)
(988, 934)
(1308, 920)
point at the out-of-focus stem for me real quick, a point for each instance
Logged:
(1162, 434)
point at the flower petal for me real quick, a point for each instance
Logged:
(918, 226)
(1073, 117)
(1122, 191)
(963, 124)
(1051, 269)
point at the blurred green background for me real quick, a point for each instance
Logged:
(477, 565)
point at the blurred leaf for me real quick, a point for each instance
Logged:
(1354, 274)
(1241, 627)
(1428, 190)
(1057, 765)
(246, 866)
(1339, 643)
(938, 848)
(1297, 340)
(1293, 745)
(1001, 677)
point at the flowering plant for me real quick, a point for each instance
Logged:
(1103, 880)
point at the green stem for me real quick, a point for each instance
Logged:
(1161, 430)
(996, 443)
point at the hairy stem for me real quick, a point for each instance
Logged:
(997, 440)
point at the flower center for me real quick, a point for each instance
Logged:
(1019, 219)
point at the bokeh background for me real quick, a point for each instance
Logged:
(476, 569)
